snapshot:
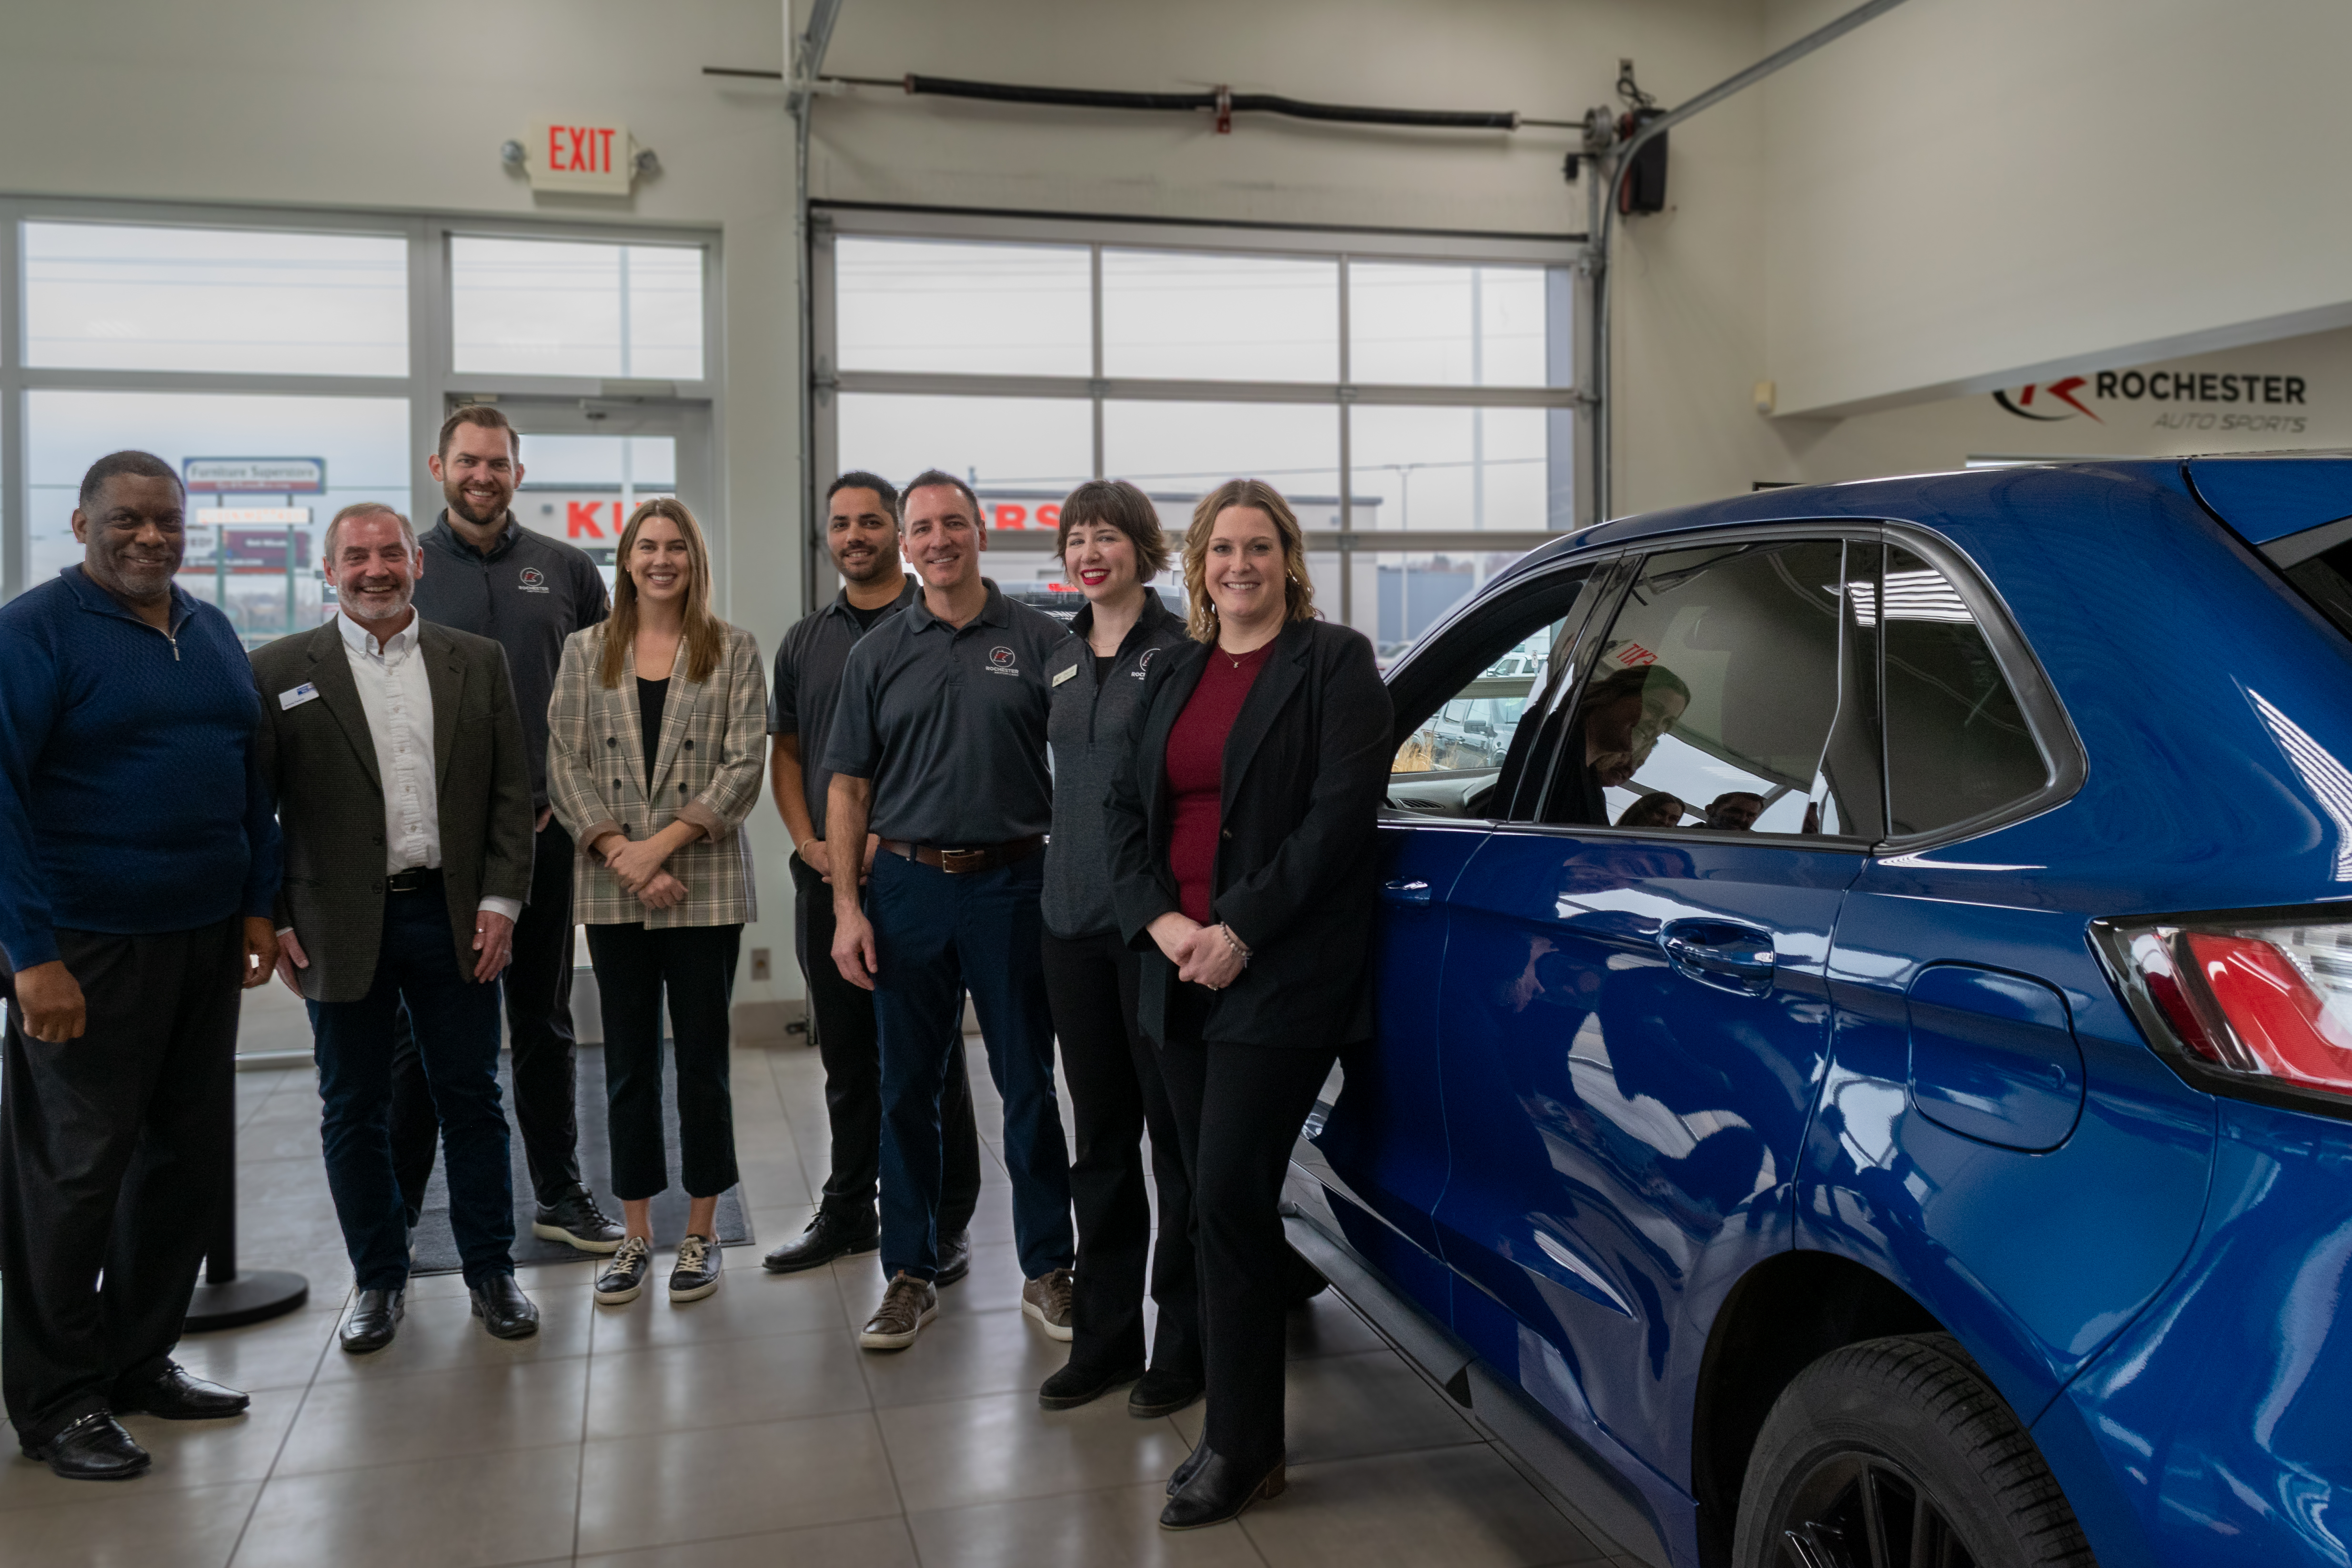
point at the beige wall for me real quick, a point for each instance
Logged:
(1967, 193)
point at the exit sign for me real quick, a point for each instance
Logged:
(583, 155)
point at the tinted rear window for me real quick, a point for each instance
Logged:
(2326, 581)
(1956, 745)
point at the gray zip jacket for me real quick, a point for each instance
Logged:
(1085, 731)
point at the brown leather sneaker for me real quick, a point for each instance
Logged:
(907, 1305)
(1047, 1300)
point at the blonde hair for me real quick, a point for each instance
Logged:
(1298, 591)
(706, 634)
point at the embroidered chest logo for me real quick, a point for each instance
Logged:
(533, 580)
(1000, 661)
(1143, 665)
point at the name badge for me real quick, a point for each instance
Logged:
(306, 692)
(1068, 674)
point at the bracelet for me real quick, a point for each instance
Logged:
(1234, 942)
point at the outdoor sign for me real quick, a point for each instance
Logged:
(596, 157)
(581, 515)
(251, 476)
(241, 552)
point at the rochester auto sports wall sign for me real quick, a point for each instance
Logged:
(2246, 402)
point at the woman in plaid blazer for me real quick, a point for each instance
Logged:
(656, 750)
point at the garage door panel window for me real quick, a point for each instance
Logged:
(918, 305)
(1714, 698)
(1178, 315)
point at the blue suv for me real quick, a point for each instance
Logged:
(1865, 1077)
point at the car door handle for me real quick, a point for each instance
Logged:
(1403, 891)
(1734, 958)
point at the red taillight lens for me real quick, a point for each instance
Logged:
(2266, 999)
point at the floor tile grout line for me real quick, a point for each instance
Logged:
(280, 1454)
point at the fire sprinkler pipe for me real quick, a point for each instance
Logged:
(1600, 195)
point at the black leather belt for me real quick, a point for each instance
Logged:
(416, 879)
(962, 862)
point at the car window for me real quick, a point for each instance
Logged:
(1713, 698)
(1956, 743)
(1501, 664)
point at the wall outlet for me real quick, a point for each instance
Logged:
(759, 963)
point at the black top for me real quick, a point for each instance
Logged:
(527, 594)
(651, 695)
(1094, 699)
(1298, 873)
(808, 677)
(950, 723)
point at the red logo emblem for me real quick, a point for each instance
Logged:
(2054, 392)
(1000, 657)
(532, 577)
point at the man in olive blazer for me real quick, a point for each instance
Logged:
(395, 753)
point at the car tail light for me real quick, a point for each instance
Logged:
(2257, 1003)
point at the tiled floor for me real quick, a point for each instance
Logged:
(744, 1429)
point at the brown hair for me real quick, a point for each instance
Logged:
(480, 413)
(1297, 590)
(363, 508)
(1125, 508)
(706, 634)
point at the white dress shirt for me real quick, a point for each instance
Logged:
(398, 701)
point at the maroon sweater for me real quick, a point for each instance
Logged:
(1196, 769)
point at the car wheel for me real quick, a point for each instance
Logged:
(1897, 1452)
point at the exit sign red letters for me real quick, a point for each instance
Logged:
(594, 156)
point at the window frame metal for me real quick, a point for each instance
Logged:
(430, 383)
(1560, 258)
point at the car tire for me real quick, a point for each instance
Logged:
(1877, 1441)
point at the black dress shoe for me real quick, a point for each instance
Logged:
(955, 1258)
(828, 1236)
(576, 1221)
(1219, 1490)
(1159, 1393)
(504, 1309)
(373, 1318)
(1189, 1467)
(1075, 1385)
(179, 1396)
(94, 1448)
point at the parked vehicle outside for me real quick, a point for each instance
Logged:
(1943, 1157)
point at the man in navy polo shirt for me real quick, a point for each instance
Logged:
(938, 748)
(139, 862)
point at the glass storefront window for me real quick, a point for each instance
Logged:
(1039, 444)
(1188, 449)
(1451, 467)
(120, 297)
(989, 310)
(263, 572)
(1176, 315)
(582, 488)
(1426, 325)
(533, 307)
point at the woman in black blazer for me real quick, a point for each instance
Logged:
(1241, 826)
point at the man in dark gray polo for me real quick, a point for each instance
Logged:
(939, 747)
(527, 591)
(862, 535)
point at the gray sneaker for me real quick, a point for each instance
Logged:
(696, 1273)
(907, 1306)
(623, 1277)
(1047, 1300)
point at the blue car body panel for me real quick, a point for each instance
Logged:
(1570, 1146)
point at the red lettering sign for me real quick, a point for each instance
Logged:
(1004, 514)
(580, 519)
(1049, 515)
(605, 144)
(1633, 656)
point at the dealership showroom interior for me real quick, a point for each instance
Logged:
(1253, 782)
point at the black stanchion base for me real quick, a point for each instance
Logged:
(247, 1298)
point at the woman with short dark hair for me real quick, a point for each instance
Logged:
(1243, 871)
(1111, 547)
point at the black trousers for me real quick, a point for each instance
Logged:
(539, 1036)
(1238, 1111)
(841, 1018)
(696, 965)
(1117, 1091)
(116, 1151)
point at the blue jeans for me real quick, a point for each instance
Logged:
(935, 935)
(457, 1022)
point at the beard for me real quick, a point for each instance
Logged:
(144, 576)
(471, 510)
(368, 595)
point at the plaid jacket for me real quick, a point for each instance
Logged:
(712, 760)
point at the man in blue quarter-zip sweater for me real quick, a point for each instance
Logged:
(137, 867)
